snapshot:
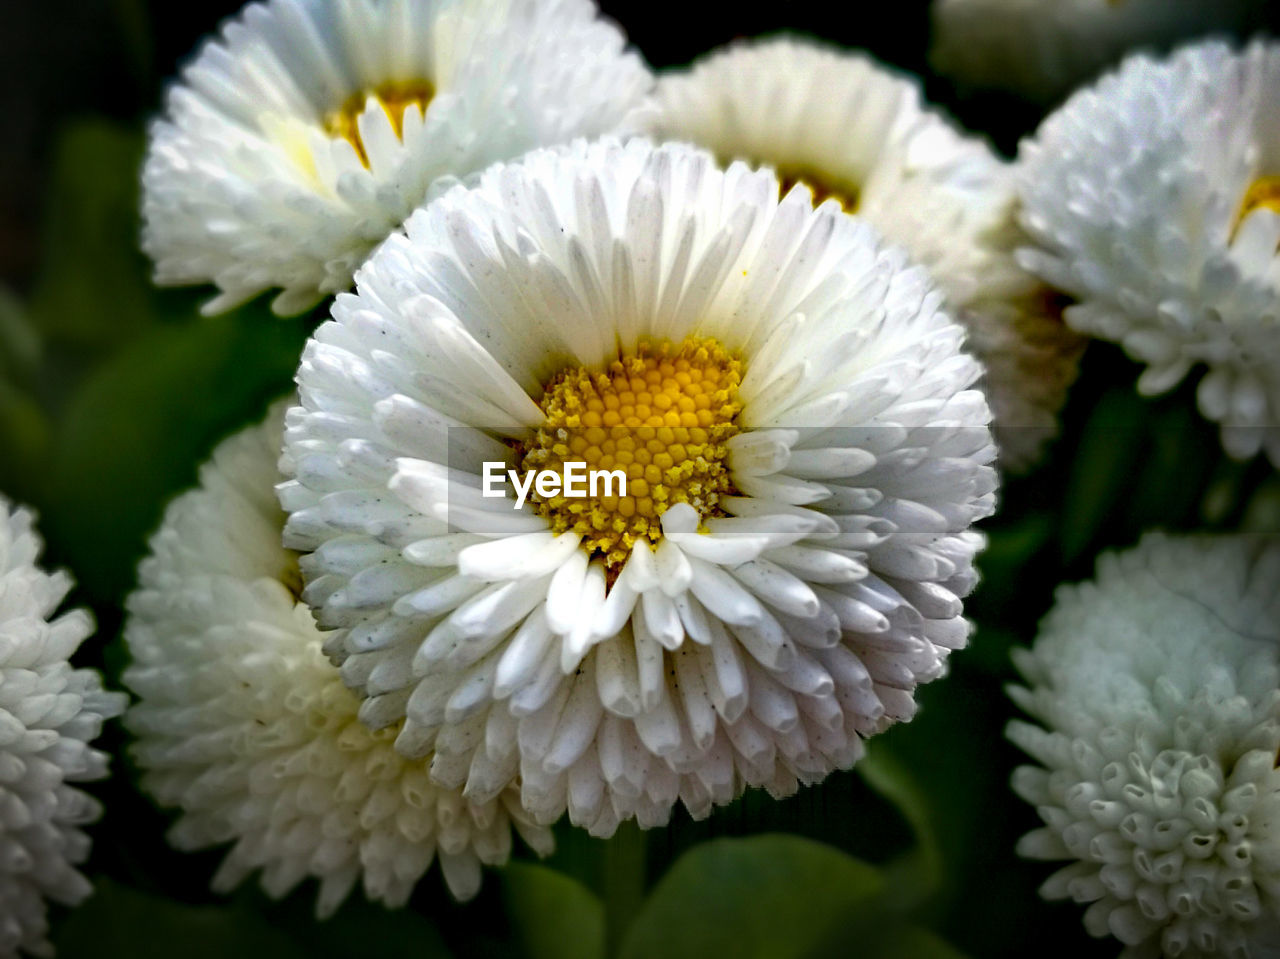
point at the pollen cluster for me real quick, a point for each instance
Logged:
(394, 98)
(662, 414)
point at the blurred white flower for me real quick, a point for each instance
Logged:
(857, 132)
(1040, 49)
(1154, 197)
(49, 713)
(245, 726)
(1158, 687)
(805, 459)
(306, 133)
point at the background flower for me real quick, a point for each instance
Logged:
(49, 713)
(1158, 687)
(1152, 196)
(855, 131)
(245, 726)
(311, 128)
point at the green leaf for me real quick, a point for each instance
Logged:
(134, 434)
(119, 921)
(24, 440)
(93, 287)
(19, 344)
(554, 916)
(358, 928)
(1108, 456)
(764, 897)
(918, 944)
(918, 875)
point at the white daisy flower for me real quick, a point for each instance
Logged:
(1040, 49)
(854, 131)
(247, 728)
(49, 713)
(306, 133)
(1155, 200)
(804, 455)
(1158, 689)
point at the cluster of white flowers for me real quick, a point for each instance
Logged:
(49, 714)
(1158, 687)
(801, 311)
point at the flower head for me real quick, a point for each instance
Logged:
(49, 713)
(804, 453)
(1154, 198)
(245, 726)
(858, 133)
(1040, 49)
(307, 132)
(1157, 687)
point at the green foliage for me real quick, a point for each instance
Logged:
(119, 921)
(19, 344)
(766, 897)
(93, 287)
(776, 896)
(134, 432)
(555, 917)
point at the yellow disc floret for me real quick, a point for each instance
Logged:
(1263, 193)
(662, 415)
(822, 186)
(394, 98)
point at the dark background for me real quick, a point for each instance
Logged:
(131, 390)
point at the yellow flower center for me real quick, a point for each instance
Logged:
(394, 98)
(1263, 193)
(662, 414)
(820, 184)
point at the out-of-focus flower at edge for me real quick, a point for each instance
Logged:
(244, 725)
(1154, 198)
(305, 134)
(49, 713)
(1158, 689)
(856, 132)
(1040, 49)
(805, 456)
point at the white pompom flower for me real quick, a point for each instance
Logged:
(857, 132)
(50, 712)
(1040, 49)
(246, 727)
(305, 133)
(1154, 199)
(1157, 687)
(804, 453)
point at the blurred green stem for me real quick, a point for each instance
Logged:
(623, 883)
